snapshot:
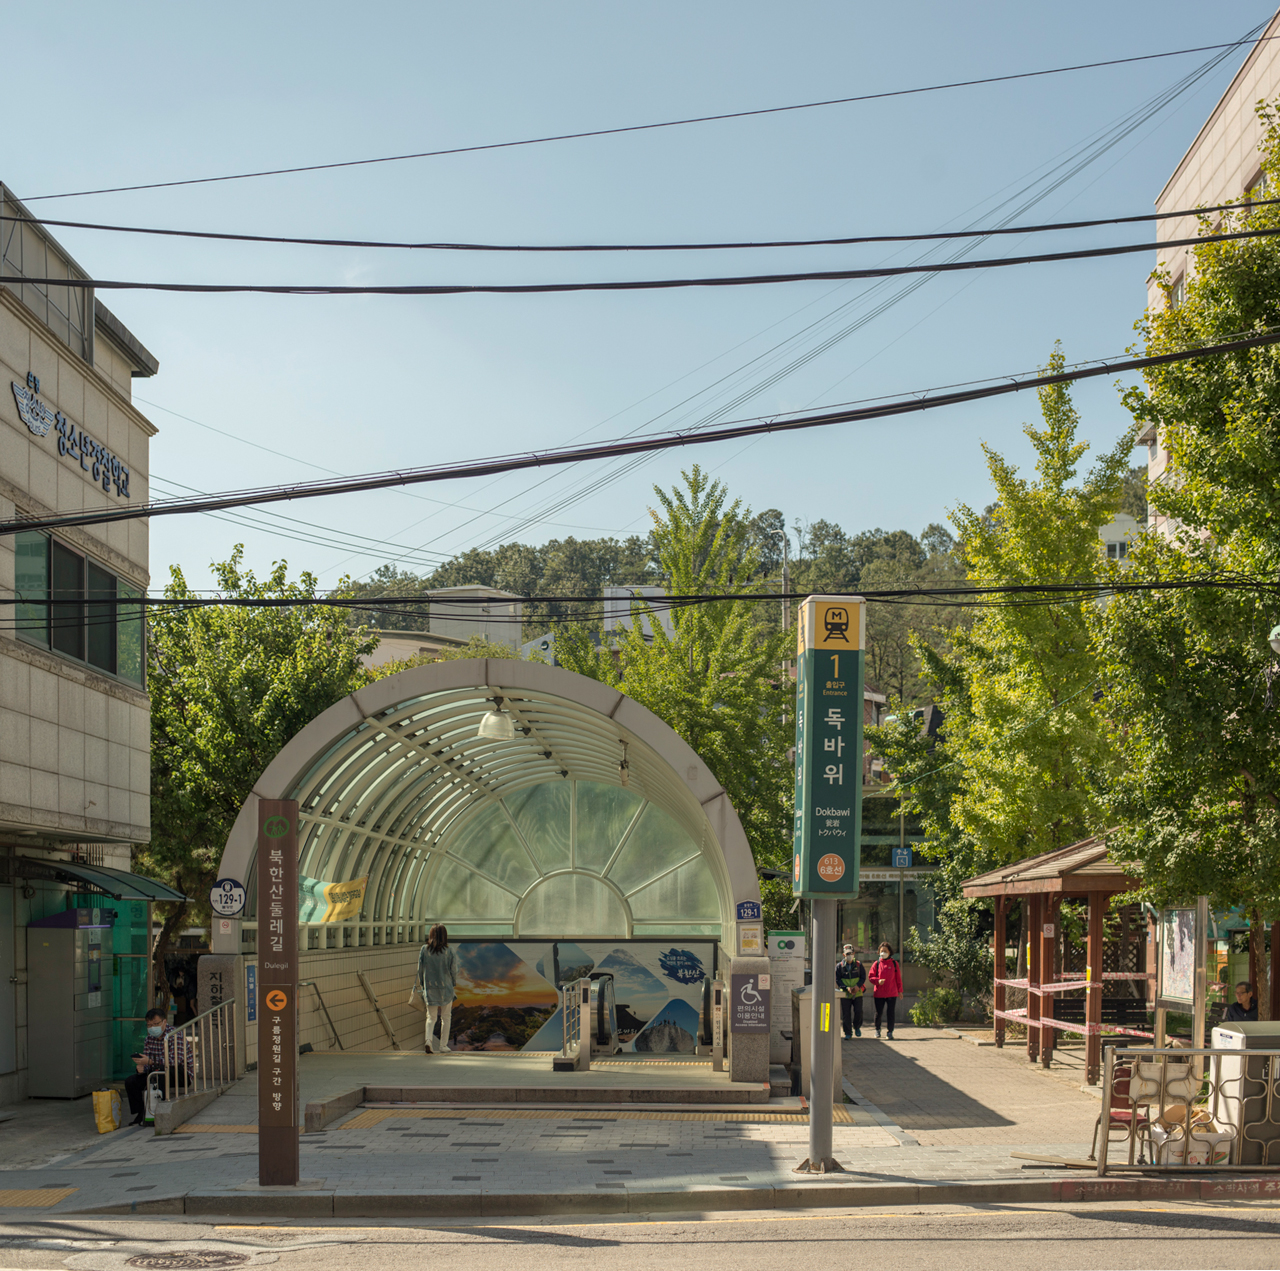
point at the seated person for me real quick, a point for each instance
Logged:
(160, 1037)
(1245, 1007)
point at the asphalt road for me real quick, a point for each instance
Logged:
(954, 1238)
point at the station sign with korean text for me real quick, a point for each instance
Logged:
(75, 445)
(828, 818)
(277, 992)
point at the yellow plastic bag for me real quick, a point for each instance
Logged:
(106, 1110)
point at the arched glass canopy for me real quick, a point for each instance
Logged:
(532, 837)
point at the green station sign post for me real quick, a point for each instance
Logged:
(828, 824)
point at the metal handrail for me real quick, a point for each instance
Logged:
(1183, 1104)
(332, 1027)
(210, 1041)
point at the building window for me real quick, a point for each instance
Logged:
(1177, 293)
(67, 604)
(1257, 189)
(1117, 551)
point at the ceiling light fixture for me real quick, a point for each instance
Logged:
(497, 725)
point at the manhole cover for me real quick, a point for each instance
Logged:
(186, 1261)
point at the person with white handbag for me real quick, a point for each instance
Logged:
(437, 982)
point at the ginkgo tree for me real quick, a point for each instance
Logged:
(1191, 677)
(1024, 759)
(718, 678)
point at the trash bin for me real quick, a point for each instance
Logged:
(801, 1027)
(1240, 1099)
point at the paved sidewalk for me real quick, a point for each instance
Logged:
(946, 1092)
(936, 1121)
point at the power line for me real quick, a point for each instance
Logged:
(852, 241)
(1064, 591)
(612, 449)
(641, 284)
(1250, 36)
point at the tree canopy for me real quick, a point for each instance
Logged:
(718, 679)
(1189, 674)
(229, 687)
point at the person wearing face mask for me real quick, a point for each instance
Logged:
(886, 985)
(160, 1037)
(851, 982)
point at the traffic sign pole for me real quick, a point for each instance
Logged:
(828, 824)
(278, 992)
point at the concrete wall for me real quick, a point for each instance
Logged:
(390, 970)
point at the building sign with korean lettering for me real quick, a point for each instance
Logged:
(94, 459)
(828, 822)
(277, 992)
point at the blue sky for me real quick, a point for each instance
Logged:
(362, 384)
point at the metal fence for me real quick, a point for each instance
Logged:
(1205, 1108)
(200, 1055)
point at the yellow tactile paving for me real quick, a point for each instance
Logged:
(375, 1116)
(34, 1197)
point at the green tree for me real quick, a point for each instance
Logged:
(717, 680)
(1189, 673)
(229, 687)
(1024, 760)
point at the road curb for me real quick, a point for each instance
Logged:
(825, 1194)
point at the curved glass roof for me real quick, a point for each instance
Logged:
(532, 837)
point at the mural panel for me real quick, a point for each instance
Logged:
(507, 992)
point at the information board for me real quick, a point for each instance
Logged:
(828, 822)
(749, 1004)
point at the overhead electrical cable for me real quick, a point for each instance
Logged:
(610, 449)
(639, 284)
(1051, 175)
(1070, 591)
(849, 241)
(1248, 38)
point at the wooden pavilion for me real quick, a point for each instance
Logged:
(1042, 883)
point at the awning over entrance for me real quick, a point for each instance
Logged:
(527, 838)
(119, 884)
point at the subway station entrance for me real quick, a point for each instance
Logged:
(558, 829)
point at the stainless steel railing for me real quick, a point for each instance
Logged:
(200, 1055)
(1205, 1108)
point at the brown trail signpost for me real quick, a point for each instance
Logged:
(278, 992)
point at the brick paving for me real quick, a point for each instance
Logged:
(947, 1092)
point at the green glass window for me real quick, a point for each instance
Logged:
(67, 590)
(100, 618)
(31, 580)
(129, 633)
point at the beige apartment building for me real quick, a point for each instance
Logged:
(74, 711)
(1221, 165)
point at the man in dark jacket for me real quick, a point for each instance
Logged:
(1245, 1008)
(851, 979)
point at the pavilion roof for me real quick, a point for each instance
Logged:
(1068, 871)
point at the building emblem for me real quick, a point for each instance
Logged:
(31, 410)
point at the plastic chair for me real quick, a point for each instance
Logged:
(1123, 1113)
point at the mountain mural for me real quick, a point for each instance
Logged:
(634, 983)
(673, 1030)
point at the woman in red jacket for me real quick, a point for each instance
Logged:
(885, 978)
